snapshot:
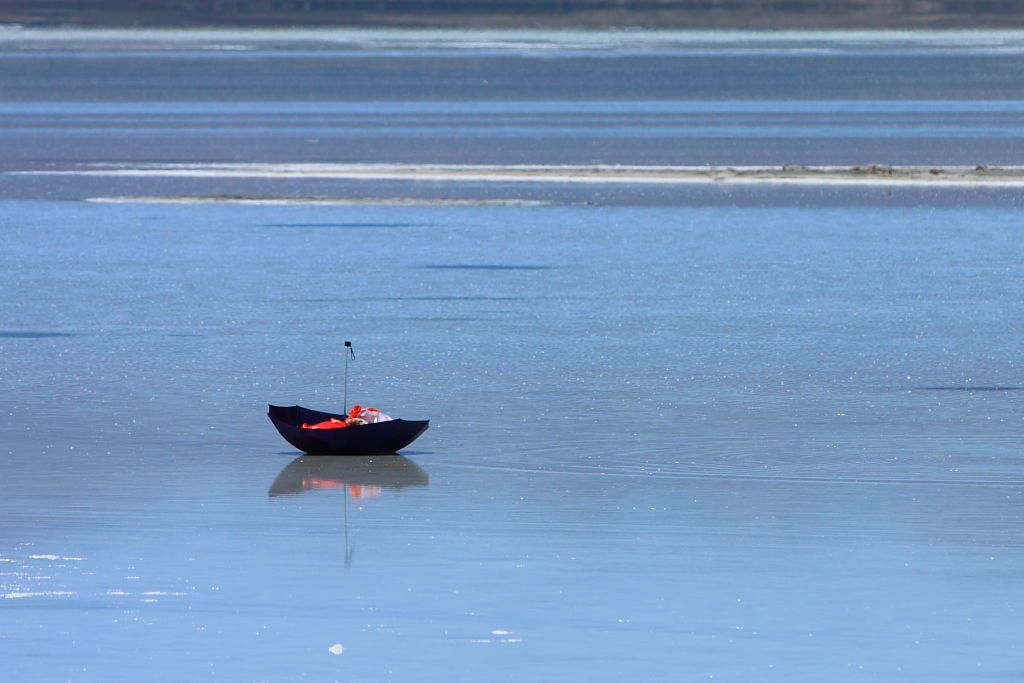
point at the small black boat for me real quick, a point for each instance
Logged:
(368, 439)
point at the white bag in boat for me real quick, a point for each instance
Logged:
(372, 415)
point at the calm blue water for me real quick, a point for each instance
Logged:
(745, 437)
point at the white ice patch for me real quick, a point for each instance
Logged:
(500, 639)
(316, 201)
(336, 649)
(38, 594)
(908, 176)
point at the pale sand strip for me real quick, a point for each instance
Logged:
(876, 175)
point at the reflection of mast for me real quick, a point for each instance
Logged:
(348, 550)
(359, 476)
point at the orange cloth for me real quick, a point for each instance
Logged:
(333, 423)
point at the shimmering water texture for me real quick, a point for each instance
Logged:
(676, 434)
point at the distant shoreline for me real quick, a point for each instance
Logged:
(504, 14)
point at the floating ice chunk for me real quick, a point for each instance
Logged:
(500, 632)
(44, 557)
(336, 649)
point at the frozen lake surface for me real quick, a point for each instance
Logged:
(748, 434)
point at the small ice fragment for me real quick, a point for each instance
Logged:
(500, 632)
(336, 649)
(44, 557)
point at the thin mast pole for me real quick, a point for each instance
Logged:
(348, 352)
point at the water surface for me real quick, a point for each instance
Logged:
(754, 434)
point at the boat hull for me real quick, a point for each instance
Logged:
(371, 439)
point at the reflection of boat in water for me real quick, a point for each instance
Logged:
(359, 476)
(381, 437)
(357, 472)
